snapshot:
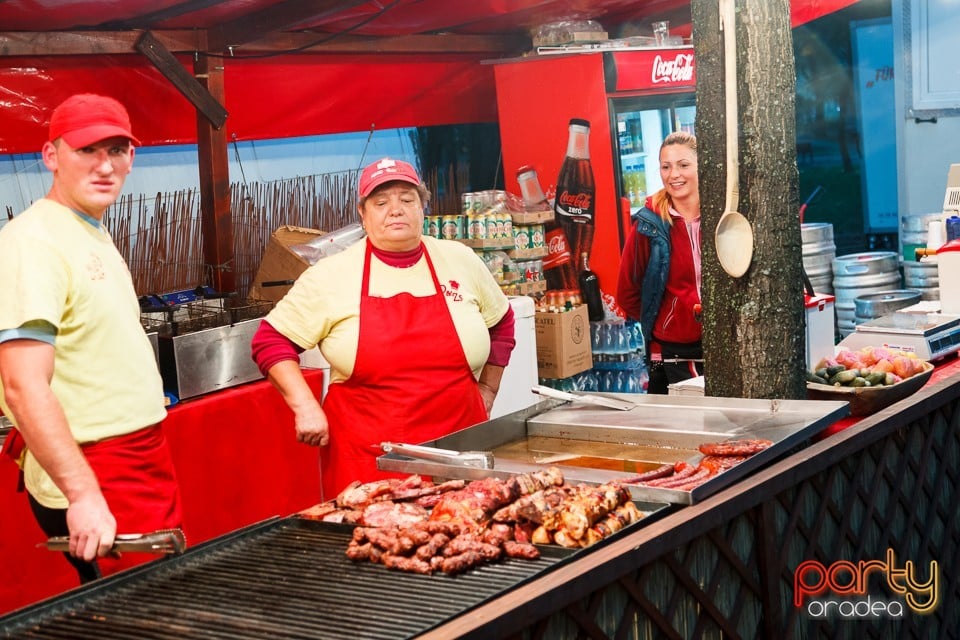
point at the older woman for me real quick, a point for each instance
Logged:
(416, 330)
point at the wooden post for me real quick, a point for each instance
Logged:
(215, 209)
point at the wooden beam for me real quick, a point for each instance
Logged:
(277, 17)
(173, 71)
(450, 44)
(74, 43)
(79, 43)
(215, 216)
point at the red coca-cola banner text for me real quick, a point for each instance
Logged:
(661, 69)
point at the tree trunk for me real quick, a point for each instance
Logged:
(753, 327)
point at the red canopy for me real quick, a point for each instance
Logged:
(297, 94)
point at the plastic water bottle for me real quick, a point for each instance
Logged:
(953, 228)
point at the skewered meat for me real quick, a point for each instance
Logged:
(393, 514)
(624, 515)
(564, 539)
(734, 447)
(524, 550)
(579, 514)
(540, 535)
(533, 506)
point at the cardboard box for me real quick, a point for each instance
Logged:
(563, 343)
(280, 264)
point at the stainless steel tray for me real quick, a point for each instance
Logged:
(662, 428)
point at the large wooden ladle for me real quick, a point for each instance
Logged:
(734, 235)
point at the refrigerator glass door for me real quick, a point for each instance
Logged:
(641, 125)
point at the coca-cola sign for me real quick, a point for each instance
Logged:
(678, 68)
(650, 69)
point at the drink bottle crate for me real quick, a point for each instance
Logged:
(488, 243)
(532, 217)
(527, 254)
(525, 288)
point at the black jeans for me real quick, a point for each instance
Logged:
(680, 362)
(54, 523)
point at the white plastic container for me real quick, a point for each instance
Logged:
(821, 327)
(948, 268)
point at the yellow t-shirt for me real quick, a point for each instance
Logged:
(62, 270)
(323, 305)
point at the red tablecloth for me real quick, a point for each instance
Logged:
(237, 460)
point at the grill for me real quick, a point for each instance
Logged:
(284, 578)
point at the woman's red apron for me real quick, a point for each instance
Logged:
(411, 383)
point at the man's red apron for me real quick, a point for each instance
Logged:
(411, 383)
(137, 479)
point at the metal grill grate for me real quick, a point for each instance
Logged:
(284, 579)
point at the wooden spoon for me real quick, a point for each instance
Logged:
(734, 235)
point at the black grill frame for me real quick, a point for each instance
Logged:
(282, 578)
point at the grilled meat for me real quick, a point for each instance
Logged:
(460, 563)
(403, 563)
(393, 514)
(433, 546)
(524, 550)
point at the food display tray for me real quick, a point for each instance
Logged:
(596, 445)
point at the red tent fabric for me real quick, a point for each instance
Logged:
(298, 94)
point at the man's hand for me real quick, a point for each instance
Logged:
(92, 527)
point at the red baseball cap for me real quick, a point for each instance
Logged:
(86, 118)
(386, 170)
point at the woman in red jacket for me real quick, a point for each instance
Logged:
(659, 281)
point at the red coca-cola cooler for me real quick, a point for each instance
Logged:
(632, 100)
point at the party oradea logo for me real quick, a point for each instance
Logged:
(865, 589)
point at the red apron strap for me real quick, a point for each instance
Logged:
(14, 447)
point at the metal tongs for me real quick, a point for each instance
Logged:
(478, 459)
(166, 541)
(600, 401)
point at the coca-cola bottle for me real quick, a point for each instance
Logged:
(558, 267)
(590, 290)
(575, 203)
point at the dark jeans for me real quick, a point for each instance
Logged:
(663, 374)
(54, 523)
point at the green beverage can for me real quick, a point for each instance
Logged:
(493, 230)
(434, 227)
(476, 226)
(537, 236)
(521, 237)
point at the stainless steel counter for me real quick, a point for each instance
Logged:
(657, 430)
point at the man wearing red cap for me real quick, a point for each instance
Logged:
(78, 376)
(416, 330)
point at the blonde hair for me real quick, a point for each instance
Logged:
(661, 199)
